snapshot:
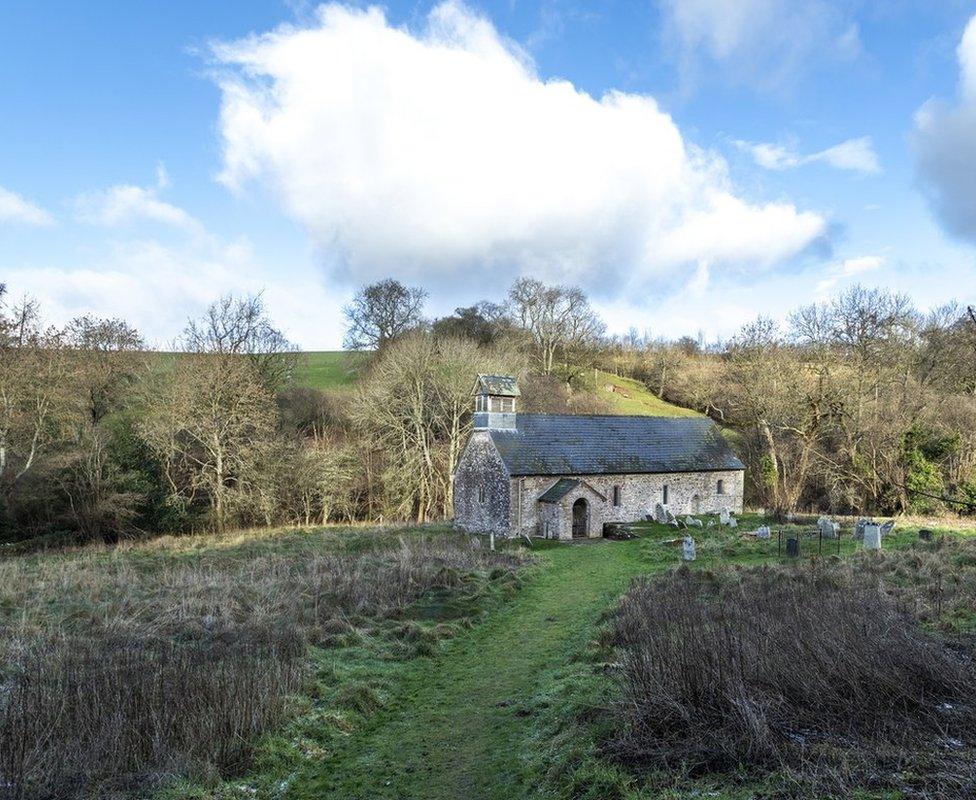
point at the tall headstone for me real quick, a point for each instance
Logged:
(688, 549)
(661, 513)
(872, 536)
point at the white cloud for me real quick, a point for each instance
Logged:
(945, 146)
(766, 43)
(856, 155)
(157, 287)
(126, 204)
(14, 208)
(441, 156)
(849, 268)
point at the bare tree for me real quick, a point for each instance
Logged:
(104, 352)
(416, 409)
(381, 312)
(559, 319)
(241, 326)
(210, 420)
(36, 401)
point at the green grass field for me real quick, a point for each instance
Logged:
(329, 370)
(493, 712)
(630, 396)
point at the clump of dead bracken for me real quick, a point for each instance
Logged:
(124, 668)
(830, 675)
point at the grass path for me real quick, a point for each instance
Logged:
(454, 729)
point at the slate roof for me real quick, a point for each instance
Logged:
(501, 385)
(557, 444)
(558, 490)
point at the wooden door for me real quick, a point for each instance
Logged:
(580, 519)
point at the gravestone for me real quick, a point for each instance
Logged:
(872, 536)
(723, 517)
(925, 535)
(792, 547)
(691, 522)
(763, 532)
(661, 514)
(828, 528)
(688, 549)
(733, 522)
(887, 528)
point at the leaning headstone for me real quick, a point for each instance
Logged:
(859, 528)
(733, 522)
(872, 536)
(691, 522)
(723, 517)
(763, 532)
(671, 517)
(661, 513)
(674, 523)
(688, 549)
(887, 528)
(828, 528)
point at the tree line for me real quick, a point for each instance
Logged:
(858, 404)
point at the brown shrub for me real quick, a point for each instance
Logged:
(818, 671)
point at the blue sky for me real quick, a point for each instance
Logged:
(691, 163)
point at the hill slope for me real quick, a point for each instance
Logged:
(329, 369)
(631, 397)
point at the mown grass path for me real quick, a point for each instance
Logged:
(456, 727)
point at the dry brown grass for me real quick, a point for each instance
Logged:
(831, 673)
(125, 667)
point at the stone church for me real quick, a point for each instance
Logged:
(564, 476)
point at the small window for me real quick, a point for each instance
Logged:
(502, 405)
(720, 487)
(616, 495)
(481, 494)
(665, 494)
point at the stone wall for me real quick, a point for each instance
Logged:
(481, 466)
(688, 493)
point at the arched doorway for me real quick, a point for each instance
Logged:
(581, 518)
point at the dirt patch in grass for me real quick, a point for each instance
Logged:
(834, 674)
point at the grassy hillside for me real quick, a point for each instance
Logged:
(631, 397)
(329, 369)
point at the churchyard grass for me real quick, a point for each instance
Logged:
(173, 664)
(496, 680)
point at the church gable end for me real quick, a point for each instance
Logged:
(481, 488)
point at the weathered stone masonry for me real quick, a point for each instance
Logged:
(688, 493)
(482, 496)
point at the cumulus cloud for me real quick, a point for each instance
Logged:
(856, 155)
(945, 147)
(765, 42)
(441, 155)
(125, 204)
(847, 269)
(14, 208)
